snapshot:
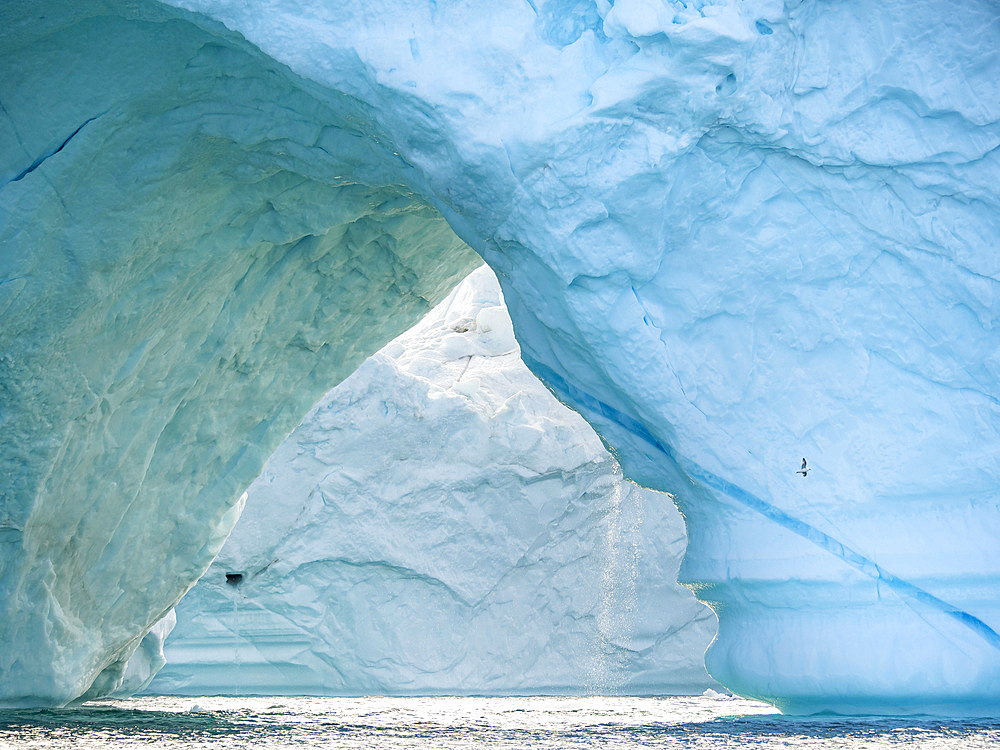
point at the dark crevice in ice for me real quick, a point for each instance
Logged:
(52, 152)
(797, 526)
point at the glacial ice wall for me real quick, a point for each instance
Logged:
(439, 523)
(186, 227)
(734, 234)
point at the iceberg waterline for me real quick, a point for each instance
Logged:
(756, 232)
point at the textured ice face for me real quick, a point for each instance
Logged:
(731, 234)
(440, 523)
(186, 227)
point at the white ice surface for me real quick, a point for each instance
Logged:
(439, 523)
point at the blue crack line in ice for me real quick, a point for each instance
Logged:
(52, 151)
(797, 526)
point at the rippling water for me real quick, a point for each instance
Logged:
(373, 723)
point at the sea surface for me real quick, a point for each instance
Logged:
(423, 723)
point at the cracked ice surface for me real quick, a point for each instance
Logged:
(440, 523)
(736, 234)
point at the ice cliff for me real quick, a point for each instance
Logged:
(440, 523)
(731, 234)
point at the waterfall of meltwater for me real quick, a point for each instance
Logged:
(617, 600)
(236, 642)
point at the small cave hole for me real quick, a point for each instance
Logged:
(233, 579)
(728, 86)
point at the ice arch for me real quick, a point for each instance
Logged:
(731, 234)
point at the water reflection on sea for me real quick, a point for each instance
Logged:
(373, 723)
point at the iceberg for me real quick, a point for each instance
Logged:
(730, 234)
(439, 523)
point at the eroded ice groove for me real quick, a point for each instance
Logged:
(440, 523)
(766, 231)
(196, 243)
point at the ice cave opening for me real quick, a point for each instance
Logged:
(730, 234)
(440, 524)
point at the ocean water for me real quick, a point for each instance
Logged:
(418, 723)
